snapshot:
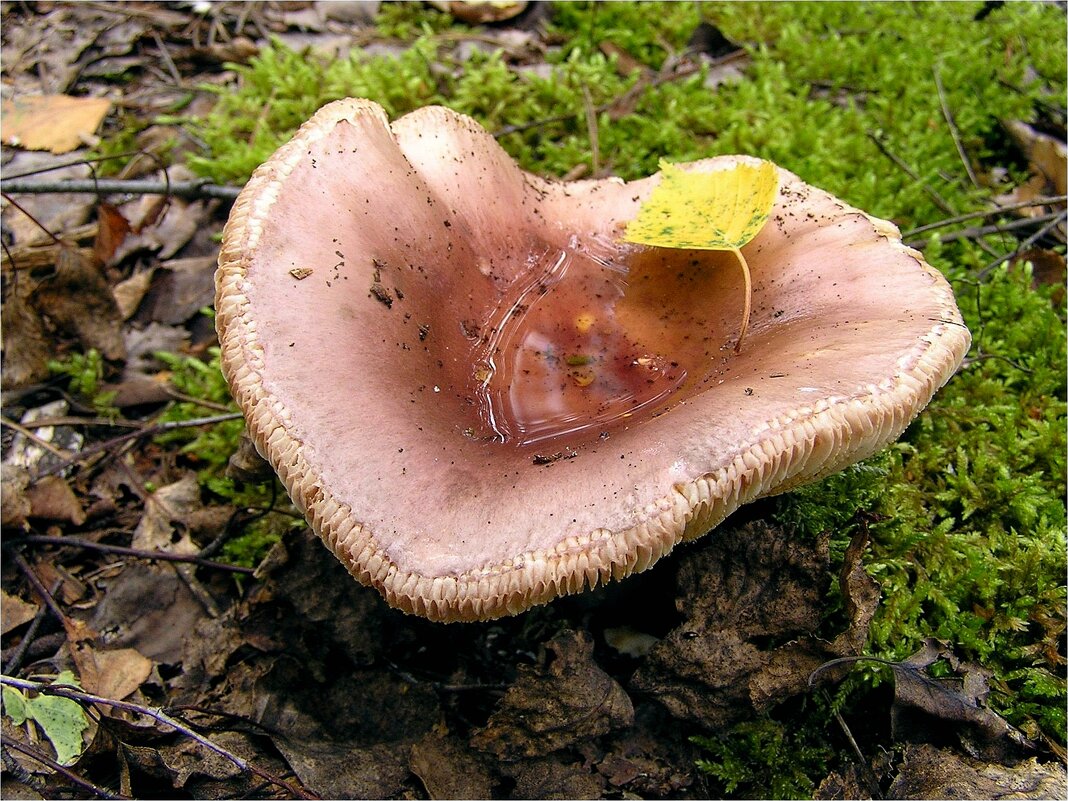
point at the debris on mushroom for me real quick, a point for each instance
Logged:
(541, 406)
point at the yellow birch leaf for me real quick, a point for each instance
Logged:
(720, 210)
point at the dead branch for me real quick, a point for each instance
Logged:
(953, 131)
(1054, 221)
(160, 556)
(976, 215)
(187, 190)
(902, 165)
(994, 228)
(147, 431)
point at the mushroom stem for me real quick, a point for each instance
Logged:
(748, 298)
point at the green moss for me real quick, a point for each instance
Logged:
(85, 372)
(766, 758)
(208, 449)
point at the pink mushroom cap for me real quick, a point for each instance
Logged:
(368, 274)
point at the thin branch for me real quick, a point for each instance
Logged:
(953, 131)
(188, 190)
(637, 88)
(20, 650)
(157, 714)
(591, 129)
(67, 773)
(995, 228)
(939, 201)
(161, 556)
(147, 431)
(30, 435)
(47, 422)
(1058, 219)
(975, 215)
(46, 597)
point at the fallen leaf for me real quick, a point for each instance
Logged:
(111, 230)
(751, 603)
(719, 210)
(51, 498)
(130, 292)
(14, 612)
(59, 212)
(120, 672)
(79, 300)
(159, 224)
(449, 769)
(925, 707)
(26, 344)
(929, 772)
(555, 705)
(164, 508)
(14, 505)
(58, 123)
(1048, 155)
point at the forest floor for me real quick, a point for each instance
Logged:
(171, 627)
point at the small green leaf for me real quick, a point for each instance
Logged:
(15, 705)
(61, 719)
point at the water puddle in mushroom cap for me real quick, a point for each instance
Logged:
(572, 350)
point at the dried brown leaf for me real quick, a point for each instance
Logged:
(751, 602)
(26, 343)
(14, 612)
(929, 772)
(14, 505)
(78, 299)
(926, 707)
(449, 769)
(51, 498)
(563, 701)
(58, 123)
(163, 526)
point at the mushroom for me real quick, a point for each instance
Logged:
(482, 399)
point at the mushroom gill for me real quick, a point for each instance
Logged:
(481, 399)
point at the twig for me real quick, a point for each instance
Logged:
(975, 215)
(31, 218)
(1059, 219)
(26, 432)
(170, 392)
(939, 201)
(639, 86)
(994, 228)
(161, 556)
(46, 597)
(862, 763)
(167, 60)
(147, 431)
(591, 129)
(67, 773)
(75, 694)
(46, 422)
(31, 633)
(953, 131)
(188, 190)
